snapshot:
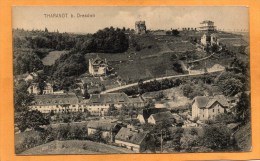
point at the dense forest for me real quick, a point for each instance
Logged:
(32, 46)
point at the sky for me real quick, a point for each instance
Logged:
(156, 17)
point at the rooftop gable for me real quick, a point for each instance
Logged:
(207, 102)
(128, 135)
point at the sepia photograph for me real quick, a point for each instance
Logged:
(131, 79)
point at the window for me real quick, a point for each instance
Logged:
(213, 110)
(218, 110)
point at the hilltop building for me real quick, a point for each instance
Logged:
(97, 66)
(205, 107)
(207, 26)
(209, 39)
(140, 27)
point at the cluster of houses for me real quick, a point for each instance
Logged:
(119, 134)
(136, 139)
(97, 105)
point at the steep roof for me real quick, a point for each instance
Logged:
(149, 111)
(97, 61)
(136, 100)
(52, 99)
(130, 136)
(162, 116)
(207, 102)
(109, 98)
(102, 125)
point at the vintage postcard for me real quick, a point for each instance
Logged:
(139, 79)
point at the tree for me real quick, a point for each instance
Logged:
(230, 83)
(27, 62)
(231, 87)
(225, 118)
(189, 142)
(187, 90)
(243, 108)
(177, 67)
(86, 95)
(216, 137)
(21, 96)
(31, 119)
(175, 32)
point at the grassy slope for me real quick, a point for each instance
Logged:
(74, 147)
(52, 56)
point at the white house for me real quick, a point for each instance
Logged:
(205, 107)
(97, 66)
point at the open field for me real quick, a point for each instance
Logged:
(51, 57)
(74, 147)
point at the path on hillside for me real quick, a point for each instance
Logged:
(158, 79)
(205, 57)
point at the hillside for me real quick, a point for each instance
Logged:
(74, 147)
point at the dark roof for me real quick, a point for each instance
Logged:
(130, 136)
(102, 125)
(136, 100)
(149, 111)
(162, 116)
(207, 102)
(52, 99)
(97, 61)
(206, 21)
(109, 98)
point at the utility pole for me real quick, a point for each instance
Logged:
(161, 142)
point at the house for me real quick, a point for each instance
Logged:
(137, 101)
(209, 39)
(207, 26)
(206, 107)
(108, 129)
(57, 103)
(140, 27)
(214, 39)
(31, 76)
(48, 89)
(99, 103)
(34, 89)
(146, 113)
(97, 66)
(132, 139)
(159, 117)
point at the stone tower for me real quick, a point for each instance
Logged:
(140, 27)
